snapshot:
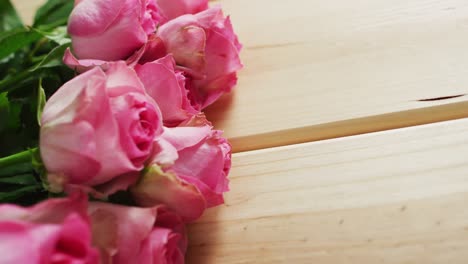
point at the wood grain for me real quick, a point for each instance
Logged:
(316, 68)
(397, 196)
(27, 9)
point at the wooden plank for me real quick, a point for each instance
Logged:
(398, 196)
(313, 68)
(27, 9)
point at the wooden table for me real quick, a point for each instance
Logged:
(348, 123)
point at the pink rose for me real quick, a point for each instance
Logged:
(98, 129)
(167, 87)
(188, 173)
(111, 30)
(171, 9)
(137, 235)
(54, 231)
(207, 48)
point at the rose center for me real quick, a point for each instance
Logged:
(145, 127)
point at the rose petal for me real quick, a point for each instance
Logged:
(119, 231)
(167, 88)
(158, 187)
(185, 40)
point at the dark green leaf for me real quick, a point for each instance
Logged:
(26, 80)
(14, 116)
(17, 169)
(22, 179)
(13, 63)
(9, 113)
(15, 40)
(23, 107)
(9, 19)
(53, 13)
(15, 81)
(4, 111)
(12, 196)
(53, 59)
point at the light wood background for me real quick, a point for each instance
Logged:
(397, 196)
(320, 70)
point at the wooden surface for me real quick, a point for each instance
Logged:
(328, 69)
(312, 65)
(398, 196)
(27, 8)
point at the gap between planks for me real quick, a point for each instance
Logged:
(325, 69)
(351, 127)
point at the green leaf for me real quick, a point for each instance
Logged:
(41, 101)
(16, 169)
(4, 111)
(15, 40)
(53, 13)
(14, 81)
(21, 179)
(53, 59)
(26, 80)
(14, 116)
(18, 193)
(58, 35)
(9, 18)
(9, 113)
(19, 158)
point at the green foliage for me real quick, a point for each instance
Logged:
(20, 179)
(31, 70)
(25, 195)
(53, 59)
(20, 168)
(58, 35)
(9, 19)
(10, 113)
(16, 39)
(53, 13)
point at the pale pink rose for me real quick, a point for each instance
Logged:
(137, 235)
(167, 87)
(98, 129)
(171, 9)
(188, 171)
(207, 49)
(54, 231)
(111, 30)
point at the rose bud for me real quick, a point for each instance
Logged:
(98, 130)
(207, 49)
(188, 171)
(53, 231)
(111, 30)
(137, 235)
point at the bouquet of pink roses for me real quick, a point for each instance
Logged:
(106, 153)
